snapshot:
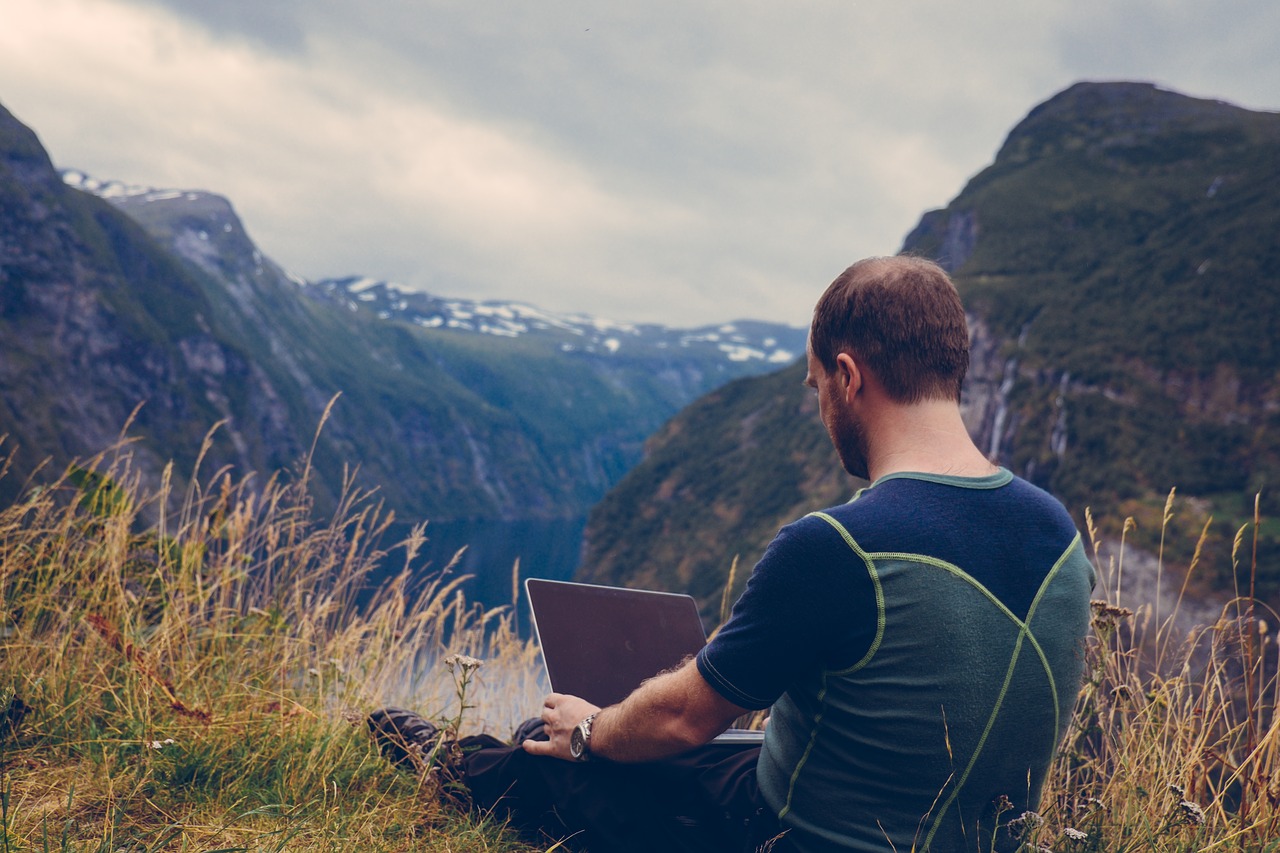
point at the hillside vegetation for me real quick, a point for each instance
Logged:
(750, 451)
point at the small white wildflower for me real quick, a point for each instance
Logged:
(1025, 825)
(465, 661)
(1075, 835)
(1192, 813)
(161, 744)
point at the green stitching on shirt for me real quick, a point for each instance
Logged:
(1024, 632)
(875, 645)
(973, 582)
(1001, 478)
(1035, 604)
(813, 738)
(875, 583)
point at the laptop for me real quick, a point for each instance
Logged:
(600, 642)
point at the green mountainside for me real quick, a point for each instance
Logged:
(713, 481)
(161, 301)
(1120, 265)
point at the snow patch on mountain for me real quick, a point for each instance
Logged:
(113, 190)
(744, 341)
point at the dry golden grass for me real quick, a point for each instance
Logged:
(200, 682)
(1175, 742)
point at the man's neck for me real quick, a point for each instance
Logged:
(928, 438)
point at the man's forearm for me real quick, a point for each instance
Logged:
(648, 725)
(666, 715)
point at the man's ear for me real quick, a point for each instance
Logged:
(849, 375)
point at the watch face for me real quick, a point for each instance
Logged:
(577, 745)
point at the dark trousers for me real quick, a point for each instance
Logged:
(703, 800)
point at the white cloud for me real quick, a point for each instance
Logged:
(297, 148)
(678, 161)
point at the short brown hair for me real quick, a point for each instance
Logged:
(903, 317)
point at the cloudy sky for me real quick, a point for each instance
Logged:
(683, 162)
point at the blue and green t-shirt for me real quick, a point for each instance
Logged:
(921, 648)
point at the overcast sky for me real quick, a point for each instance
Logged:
(683, 162)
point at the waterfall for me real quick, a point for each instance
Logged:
(1058, 435)
(1002, 407)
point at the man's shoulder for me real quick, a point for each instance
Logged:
(808, 538)
(916, 513)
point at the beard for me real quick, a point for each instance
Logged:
(850, 441)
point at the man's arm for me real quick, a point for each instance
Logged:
(664, 716)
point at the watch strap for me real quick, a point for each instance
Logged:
(584, 737)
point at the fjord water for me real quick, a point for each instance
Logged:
(546, 548)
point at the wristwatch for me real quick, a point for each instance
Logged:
(580, 740)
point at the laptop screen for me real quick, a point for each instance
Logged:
(600, 642)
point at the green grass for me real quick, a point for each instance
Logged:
(200, 683)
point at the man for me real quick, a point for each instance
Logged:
(919, 646)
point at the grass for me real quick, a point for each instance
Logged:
(1175, 745)
(191, 672)
(199, 681)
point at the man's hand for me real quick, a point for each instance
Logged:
(668, 714)
(561, 714)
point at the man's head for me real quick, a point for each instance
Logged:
(900, 317)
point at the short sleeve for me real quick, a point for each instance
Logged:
(809, 605)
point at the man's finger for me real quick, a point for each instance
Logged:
(538, 747)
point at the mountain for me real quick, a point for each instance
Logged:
(116, 297)
(1120, 269)
(717, 482)
(1123, 248)
(94, 319)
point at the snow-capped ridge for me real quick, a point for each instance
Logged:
(113, 190)
(771, 343)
